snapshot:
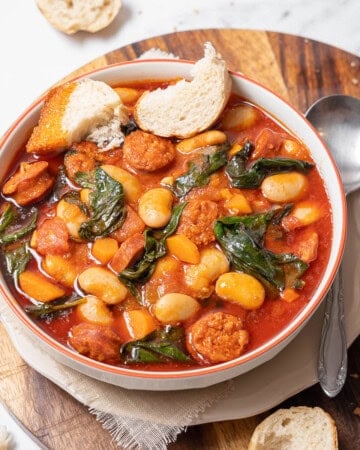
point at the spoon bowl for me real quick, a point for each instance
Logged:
(337, 118)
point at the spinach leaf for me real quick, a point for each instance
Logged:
(242, 240)
(199, 174)
(45, 309)
(155, 248)
(85, 179)
(251, 177)
(107, 203)
(60, 185)
(28, 219)
(73, 197)
(159, 346)
(17, 259)
(7, 217)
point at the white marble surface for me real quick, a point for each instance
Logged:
(35, 55)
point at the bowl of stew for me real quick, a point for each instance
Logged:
(254, 235)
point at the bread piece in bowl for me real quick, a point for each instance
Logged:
(296, 428)
(72, 16)
(187, 107)
(75, 111)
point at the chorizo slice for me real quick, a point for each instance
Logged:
(148, 152)
(197, 221)
(96, 341)
(128, 252)
(30, 183)
(217, 337)
(52, 237)
(81, 158)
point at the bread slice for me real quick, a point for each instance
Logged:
(71, 16)
(74, 110)
(187, 107)
(296, 428)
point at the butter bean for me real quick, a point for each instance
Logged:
(284, 187)
(175, 307)
(155, 207)
(131, 184)
(103, 284)
(240, 288)
(94, 310)
(212, 137)
(72, 216)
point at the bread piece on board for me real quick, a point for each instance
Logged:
(296, 428)
(187, 107)
(71, 16)
(73, 111)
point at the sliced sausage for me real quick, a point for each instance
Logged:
(197, 221)
(217, 337)
(128, 252)
(30, 183)
(52, 237)
(96, 341)
(146, 151)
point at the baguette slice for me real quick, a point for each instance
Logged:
(75, 15)
(187, 107)
(75, 110)
(296, 428)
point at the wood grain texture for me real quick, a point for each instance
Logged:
(298, 69)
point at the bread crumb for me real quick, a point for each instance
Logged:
(357, 411)
(354, 375)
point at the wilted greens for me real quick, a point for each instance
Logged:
(56, 306)
(155, 248)
(199, 173)
(159, 346)
(251, 177)
(242, 239)
(107, 205)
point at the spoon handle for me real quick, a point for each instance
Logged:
(332, 362)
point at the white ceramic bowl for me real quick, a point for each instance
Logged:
(199, 377)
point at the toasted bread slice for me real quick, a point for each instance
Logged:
(72, 16)
(73, 111)
(187, 107)
(296, 428)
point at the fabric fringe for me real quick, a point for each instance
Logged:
(137, 434)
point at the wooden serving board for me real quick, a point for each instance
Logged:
(301, 71)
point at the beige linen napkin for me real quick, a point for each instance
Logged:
(136, 419)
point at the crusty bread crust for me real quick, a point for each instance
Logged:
(71, 16)
(296, 428)
(74, 110)
(187, 107)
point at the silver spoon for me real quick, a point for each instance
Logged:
(337, 118)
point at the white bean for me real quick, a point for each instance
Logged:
(72, 216)
(94, 310)
(155, 207)
(284, 187)
(199, 277)
(175, 307)
(104, 284)
(240, 288)
(131, 184)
